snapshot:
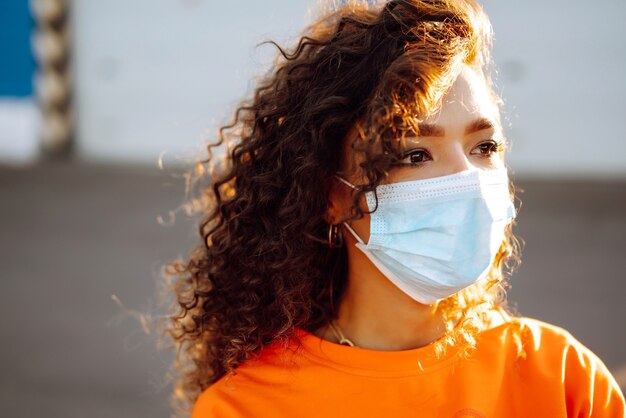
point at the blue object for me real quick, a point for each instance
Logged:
(434, 237)
(17, 64)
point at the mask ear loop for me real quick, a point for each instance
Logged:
(353, 233)
(346, 182)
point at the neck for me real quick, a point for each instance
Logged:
(375, 314)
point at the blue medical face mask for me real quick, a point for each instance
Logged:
(437, 236)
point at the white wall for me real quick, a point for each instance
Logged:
(161, 75)
(563, 77)
(19, 124)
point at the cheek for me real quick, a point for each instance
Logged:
(498, 159)
(495, 161)
(428, 170)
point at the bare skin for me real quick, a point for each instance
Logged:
(374, 313)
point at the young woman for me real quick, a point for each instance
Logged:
(358, 239)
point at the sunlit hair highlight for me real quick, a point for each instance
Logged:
(264, 267)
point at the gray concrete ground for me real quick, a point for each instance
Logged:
(72, 235)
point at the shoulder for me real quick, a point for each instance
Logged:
(250, 386)
(535, 335)
(552, 348)
(589, 387)
(229, 396)
(530, 336)
(539, 335)
(544, 341)
(205, 405)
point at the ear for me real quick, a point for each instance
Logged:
(334, 203)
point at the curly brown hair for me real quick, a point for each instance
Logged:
(264, 266)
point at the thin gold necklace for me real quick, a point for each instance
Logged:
(339, 335)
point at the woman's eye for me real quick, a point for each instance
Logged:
(416, 157)
(487, 149)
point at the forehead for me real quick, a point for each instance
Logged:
(467, 99)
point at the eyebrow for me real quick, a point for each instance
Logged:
(426, 129)
(480, 124)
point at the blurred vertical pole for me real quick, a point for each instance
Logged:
(53, 80)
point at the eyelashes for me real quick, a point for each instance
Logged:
(492, 148)
(486, 149)
(416, 157)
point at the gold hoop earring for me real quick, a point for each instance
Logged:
(335, 237)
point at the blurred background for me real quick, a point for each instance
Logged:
(104, 103)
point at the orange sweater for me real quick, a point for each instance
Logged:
(558, 377)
